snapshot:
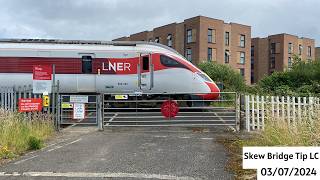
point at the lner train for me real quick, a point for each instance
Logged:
(104, 67)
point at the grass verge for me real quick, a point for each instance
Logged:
(276, 133)
(20, 133)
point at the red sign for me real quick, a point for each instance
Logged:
(30, 104)
(169, 109)
(42, 72)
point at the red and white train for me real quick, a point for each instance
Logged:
(104, 67)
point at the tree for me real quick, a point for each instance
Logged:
(231, 80)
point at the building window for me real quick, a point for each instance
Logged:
(309, 51)
(300, 49)
(226, 56)
(189, 35)
(273, 48)
(242, 40)
(241, 71)
(290, 48)
(242, 57)
(272, 64)
(252, 63)
(289, 62)
(211, 36)
(209, 54)
(252, 77)
(252, 50)
(189, 54)
(226, 38)
(169, 38)
(157, 40)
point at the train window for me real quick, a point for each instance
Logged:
(145, 63)
(205, 77)
(86, 64)
(169, 62)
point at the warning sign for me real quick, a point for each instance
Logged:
(42, 79)
(30, 104)
(169, 109)
(42, 72)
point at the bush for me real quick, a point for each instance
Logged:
(232, 80)
(302, 80)
(35, 143)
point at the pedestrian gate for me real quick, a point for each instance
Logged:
(79, 109)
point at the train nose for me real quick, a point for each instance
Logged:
(214, 91)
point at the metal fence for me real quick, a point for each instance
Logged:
(9, 96)
(289, 109)
(146, 109)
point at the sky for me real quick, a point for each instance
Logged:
(110, 19)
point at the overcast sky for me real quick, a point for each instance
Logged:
(109, 19)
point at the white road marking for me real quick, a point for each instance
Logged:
(73, 142)
(23, 160)
(57, 147)
(53, 144)
(207, 138)
(160, 136)
(99, 175)
(60, 146)
(233, 129)
(184, 137)
(113, 117)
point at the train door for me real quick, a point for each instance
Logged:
(145, 72)
(86, 81)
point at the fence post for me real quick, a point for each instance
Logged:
(282, 108)
(253, 122)
(299, 109)
(294, 110)
(258, 112)
(238, 104)
(310, 109)
(262, 111)
(100, 109)
(247, 106)
(288, 110)
(272, 106)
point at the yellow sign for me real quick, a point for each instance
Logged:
(66, 106)
(46, 101)
(121, 97)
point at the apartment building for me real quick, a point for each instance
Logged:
(276, 52)
(318, 53)
(204, 39)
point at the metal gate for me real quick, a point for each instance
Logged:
(90, 104)
(143, 109)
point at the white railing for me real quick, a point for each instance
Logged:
(289, 109)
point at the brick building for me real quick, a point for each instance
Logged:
(318, 53)
(204, 39)
(275, 53)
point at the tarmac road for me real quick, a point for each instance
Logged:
(145, 154)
